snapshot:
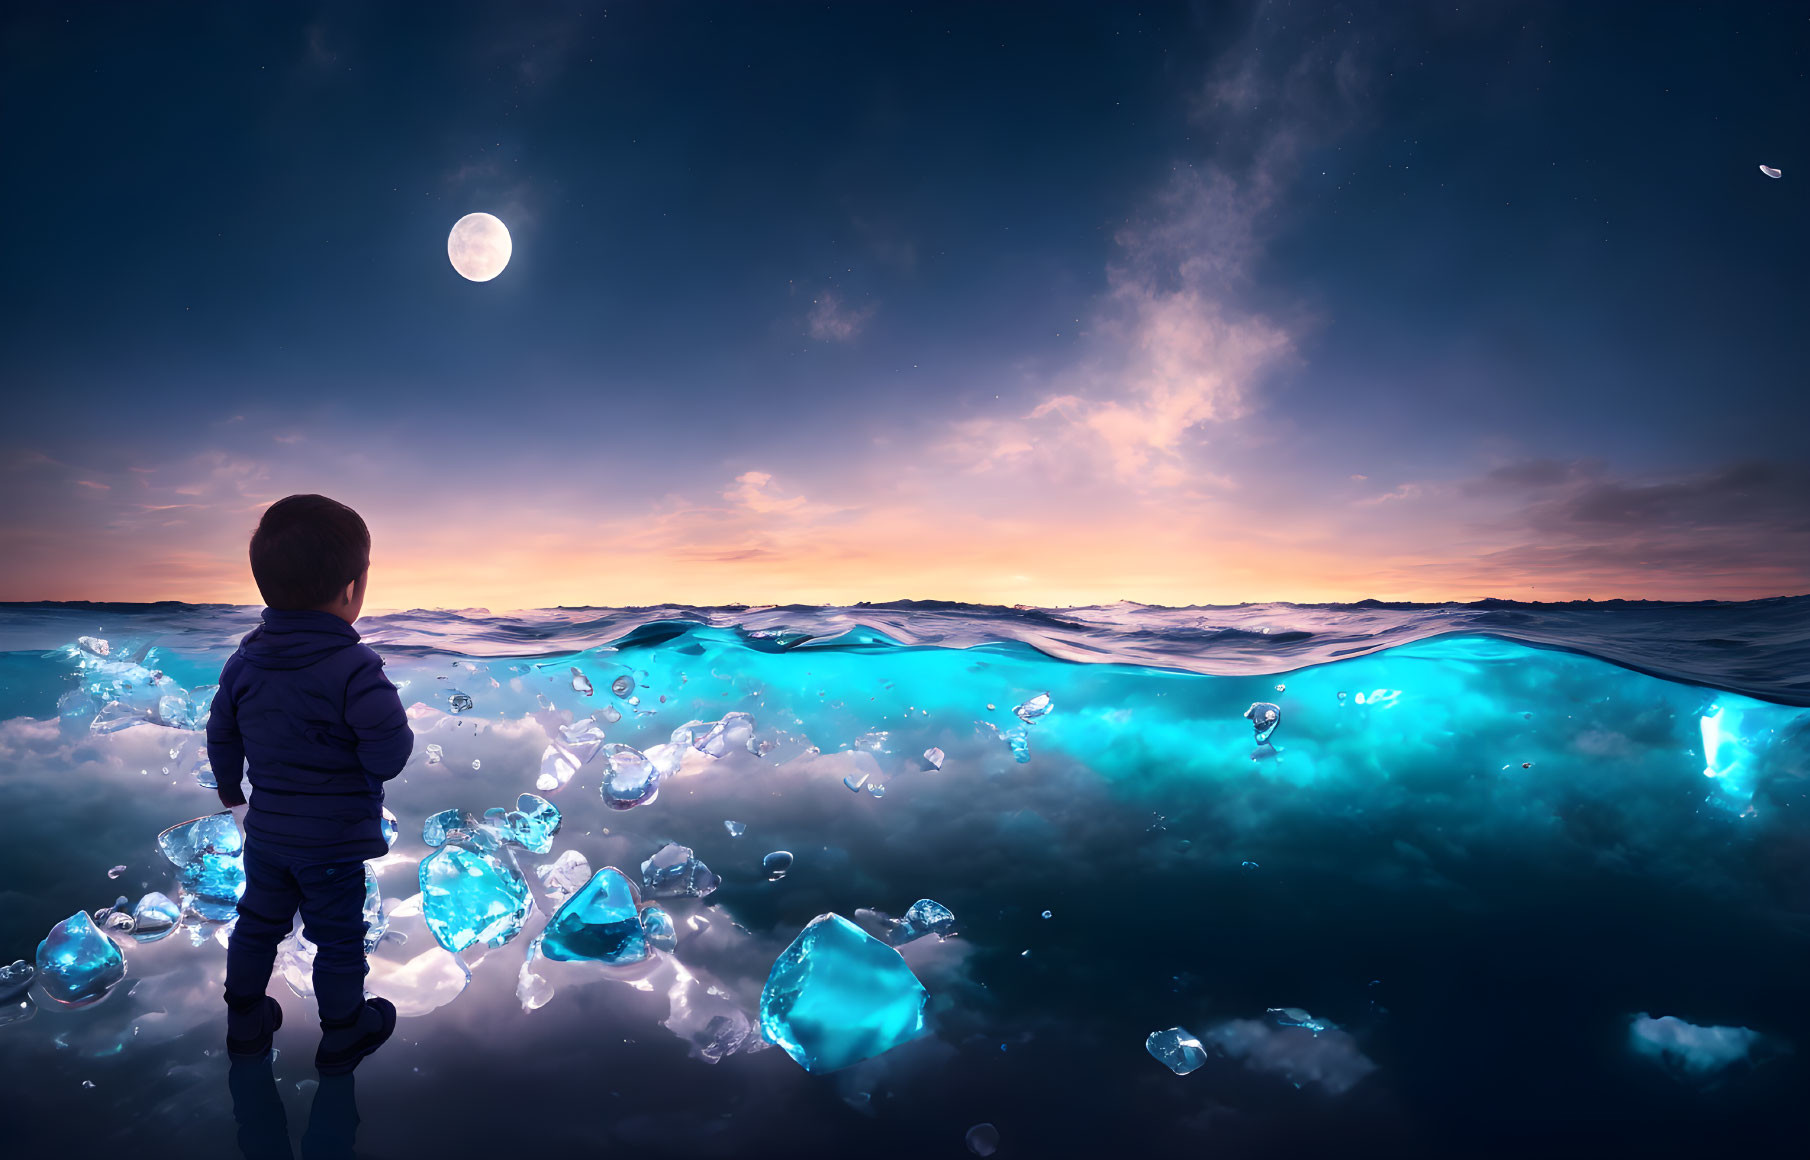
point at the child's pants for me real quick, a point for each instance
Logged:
(331, 897)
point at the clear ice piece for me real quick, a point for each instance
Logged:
(116, 872)
(15, 980)
(376, 922)
(599, 923)
(933, 757)
(1176, 1049)
(1034, 708)
(580, 682)
(389, 828)
(469, 897)
(854, 782)
(610, 714)
(208, 851)
(837, 996)
(632, 780)
(875, 789)
(622, 686)
(658, 926)
(732, 732)
(583, 737)
(982, 1139)
(557, 765)
(930, 917)
(436, 829)
(435, 754)
(776, 864)
(564, 875)
(736, 829)
(1264, 718)
(457, 701)
(154, 916)
(78, 964)
(532, 824)
(675, 872)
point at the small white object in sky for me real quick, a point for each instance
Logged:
(479, 246)
(1772, 171)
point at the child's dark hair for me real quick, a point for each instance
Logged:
(306, 550)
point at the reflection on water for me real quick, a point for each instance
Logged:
(1464, 896)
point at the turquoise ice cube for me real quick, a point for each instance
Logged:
(659, 928)
(598, 923)
(837, 996)
(469, 897)
(77, 963)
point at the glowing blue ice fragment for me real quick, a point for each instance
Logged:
(532, 824)
(597, 924)
(1020, 743)
(1264, 718)
(736, 829)
(389, 828)
(154, 917)
(837, 996)
(659, 928)
(78, 964)
(674, 872)
(1176, 1049)
(1298, 1017)
(469, 897)
(209, 853)
(776, 864)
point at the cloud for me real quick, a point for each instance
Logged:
(1695, 1049)
(751, 492)
(831, 321)
(1329, 1058)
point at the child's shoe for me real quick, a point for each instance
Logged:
(345, 1042)
(249, 1025)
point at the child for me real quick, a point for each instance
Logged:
(323, 729)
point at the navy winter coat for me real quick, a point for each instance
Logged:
(323, 729)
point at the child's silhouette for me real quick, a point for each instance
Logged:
(323, 729)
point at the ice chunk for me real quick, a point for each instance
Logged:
(853, 782)
(1768, 170)
(458, 702)
(469, 897)
(580, 682)
(1034, 708)
(583, 737)
(876, 789)
(435, 755)
(837, 996)
(114, 716)
(662, 935)
(673, 872)
(116, 872)
(736, 829)
(437, 829)
(933, 757)
(1176, 1049)
(154, 916)
(632, 780)
(983, 1139)
(1020, 743)
(598, 923)
(531, 990)
(1264, 718)
(776, 864)
(622, 686)
(101, 648)
(928, 916)
(565, 874)
(532, 824)
(376, 922)
(610, 714)
(388, 827)
(78, 964)
(732, 732)
(16, 979)
(208, 852)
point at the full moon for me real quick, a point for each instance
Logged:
(479, 246)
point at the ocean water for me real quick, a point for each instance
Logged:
(1504, 877)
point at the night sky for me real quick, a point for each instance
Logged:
(1047, 304)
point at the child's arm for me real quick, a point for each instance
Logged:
(374, 711)
(225, 749)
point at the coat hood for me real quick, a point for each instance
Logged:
(295, 640)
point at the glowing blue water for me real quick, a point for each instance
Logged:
(1531, 863)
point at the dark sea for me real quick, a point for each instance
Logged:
(1381, 880)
